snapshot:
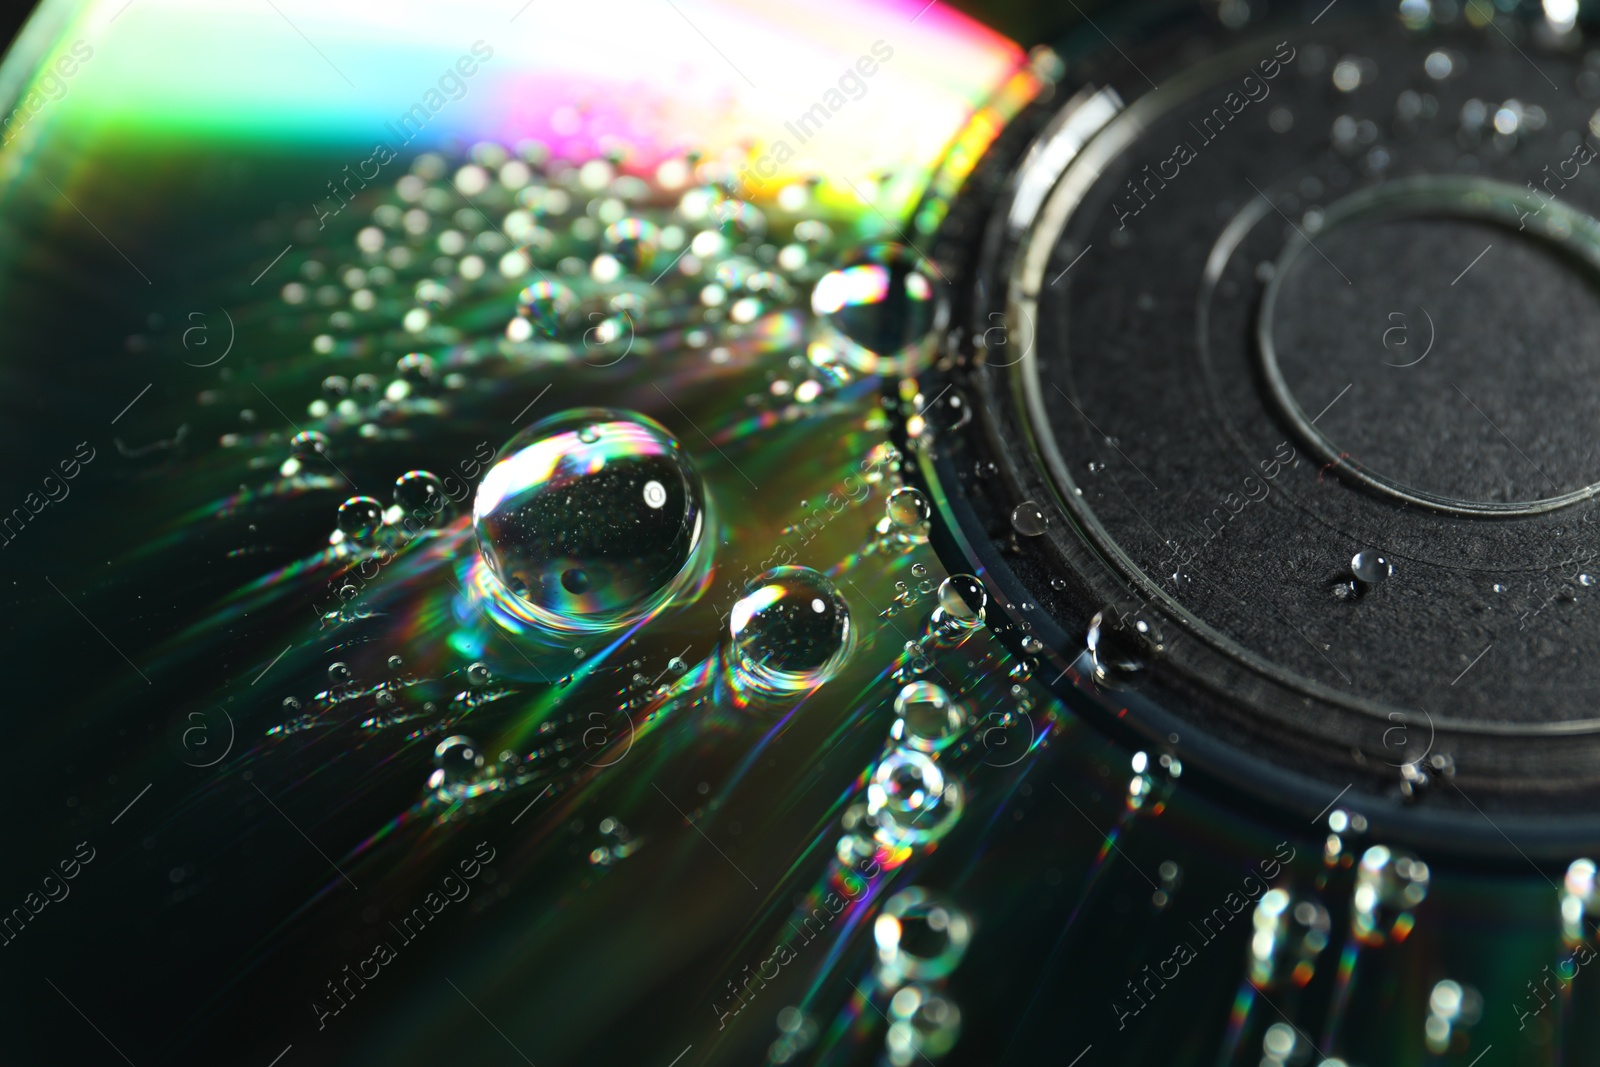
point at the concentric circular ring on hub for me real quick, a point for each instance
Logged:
(1417, 436)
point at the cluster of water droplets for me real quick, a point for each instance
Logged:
(921, 938)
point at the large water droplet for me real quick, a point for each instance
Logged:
(592, 515)
(921, 934)
(883, 310)
(1389, 884)
(928, 720)
(923, 1026)
(790, 632)
(1290, 933)
(1027, 518)
(360, 517)
(1370, 568)
(948, 411)
(911, 800)
(962, 599)
(908, 508)
(1121, 653)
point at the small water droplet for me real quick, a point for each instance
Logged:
(457, 764)
(421, 496)
(789, 633)
(633, 243)
(1028, 519)
(551, 309)
(310, 444)
(360, 517)
(338, 673)
(478, 675)
(395, 663)
(417, 368)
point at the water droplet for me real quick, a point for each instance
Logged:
(478, 675)
(360, 517)
(1389, 883)
(291, 704)
(633, 243)
(1585, 579)
(457, 764)
(309, 444)
(417, 368)
(569, 515)
(1370, 568)
(551, 309)
(948, 412)
(338, 673)
(923, 1026)
(677, 666)
(911, 800)
(789, 633)
(421, 496)
(1032, 645)
(921, 934)
(395, 663)
(1290, 933)
(962, 599)
(1027, 518)
(882, 310)
(908, 508)
(1120, 652)
(928, 720)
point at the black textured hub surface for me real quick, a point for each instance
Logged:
(1224, 357)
